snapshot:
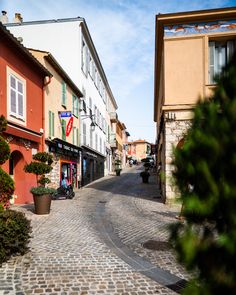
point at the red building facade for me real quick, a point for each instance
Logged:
(21, 102)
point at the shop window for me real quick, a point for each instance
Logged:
(220, 52)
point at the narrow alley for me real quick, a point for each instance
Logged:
(110, 239)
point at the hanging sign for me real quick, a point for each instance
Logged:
(69, 126)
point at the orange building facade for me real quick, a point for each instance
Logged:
(21, 91)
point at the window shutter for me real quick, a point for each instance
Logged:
(63, 100)
(77, 136)
(63, 129)
(211, 62)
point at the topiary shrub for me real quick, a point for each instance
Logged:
(40, 166)
(6, 183)
(205, 170)
(15, 232)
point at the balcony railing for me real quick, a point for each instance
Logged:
(113, 141)
(113, 117)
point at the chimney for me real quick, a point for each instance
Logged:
(3, 17)
(18, 18)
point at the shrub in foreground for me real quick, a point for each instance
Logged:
(15, 232)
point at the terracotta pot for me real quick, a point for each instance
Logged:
(42, 204)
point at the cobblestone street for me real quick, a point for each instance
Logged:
(95, 243)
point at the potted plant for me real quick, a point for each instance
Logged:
(118, 167)
(41, 194)
(145, 176)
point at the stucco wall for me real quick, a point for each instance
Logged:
(184, 70)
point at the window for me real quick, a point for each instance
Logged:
(63, 97)
(100, 145)
(17, 96)
(91, 139)
(75, 136)
(51, 124)
(84, 134)
(96, 142)
(84, 58)
(63, 129)
(75, 107)
(219, 55)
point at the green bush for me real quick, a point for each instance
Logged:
(6, 187)
(205, 169)
(15, 232)
(6, 183)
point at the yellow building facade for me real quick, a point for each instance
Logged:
(191, 49)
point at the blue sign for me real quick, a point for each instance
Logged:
(65, 114)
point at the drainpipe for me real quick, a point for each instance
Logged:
(47, 80)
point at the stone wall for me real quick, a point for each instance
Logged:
(174, 132)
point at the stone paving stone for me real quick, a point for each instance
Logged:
(69, 257)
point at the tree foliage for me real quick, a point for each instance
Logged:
(205, 169)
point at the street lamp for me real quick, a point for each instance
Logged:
(92, 125)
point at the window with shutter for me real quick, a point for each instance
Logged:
(75, 106)
(16, 96)
(63, 97)
(63, 129)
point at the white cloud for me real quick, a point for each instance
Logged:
(123, 34)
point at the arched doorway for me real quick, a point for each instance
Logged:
(16, 171)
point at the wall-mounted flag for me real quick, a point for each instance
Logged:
(69, 126)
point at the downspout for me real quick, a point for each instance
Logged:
(47, 81)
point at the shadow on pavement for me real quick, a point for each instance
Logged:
(129, 184)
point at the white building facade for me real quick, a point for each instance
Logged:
(70, 43)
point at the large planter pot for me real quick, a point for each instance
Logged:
(42, 204)
(118, 172)
(145, 179)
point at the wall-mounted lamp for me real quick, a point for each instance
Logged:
(92, 125)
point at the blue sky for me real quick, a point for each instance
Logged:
(123, 34)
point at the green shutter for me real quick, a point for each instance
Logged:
(63, 99)
(63, 129)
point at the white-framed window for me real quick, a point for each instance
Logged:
(84, 58)
(91, 138)
(220, 52)
(75, 136)
(16, 86)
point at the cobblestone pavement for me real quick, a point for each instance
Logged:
(89, 245)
